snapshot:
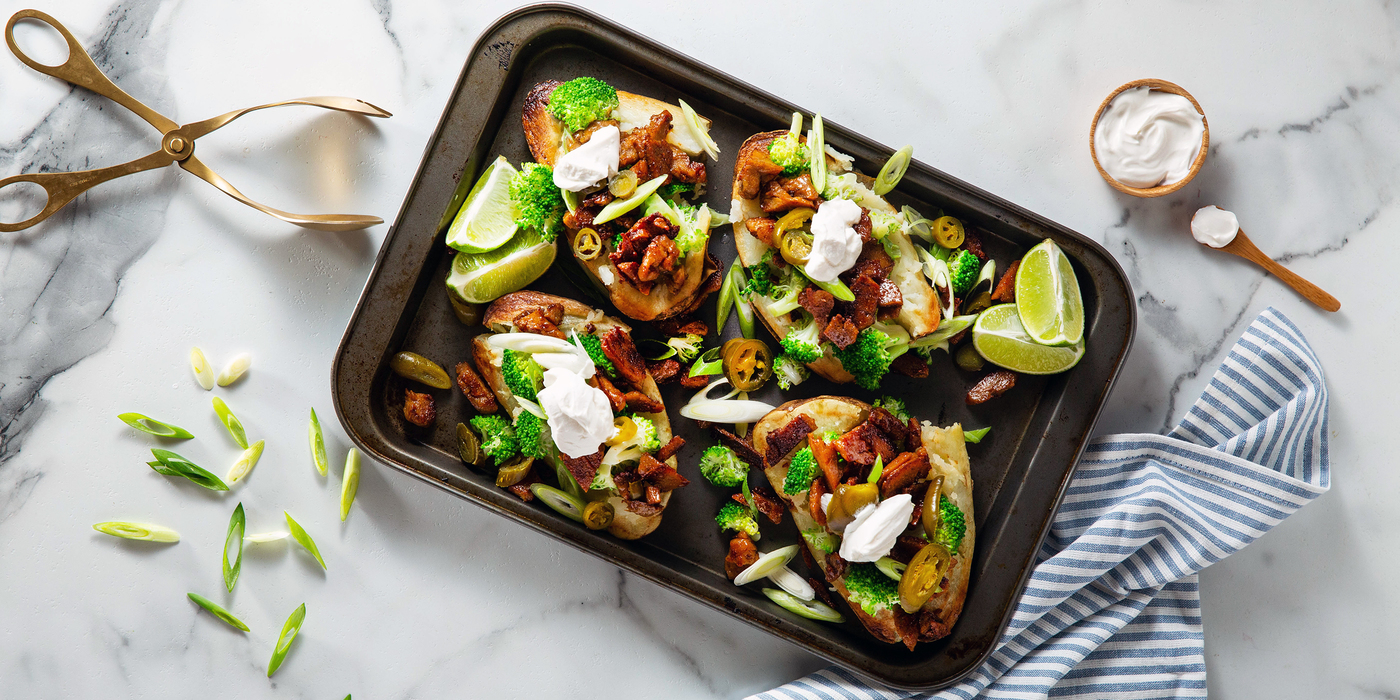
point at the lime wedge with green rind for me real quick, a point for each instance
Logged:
(1048, 298)
(479, 278)
(487, 218)
(1000, 338)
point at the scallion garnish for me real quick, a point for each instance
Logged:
(894, 170)
(349, 483)
(235, 369)
(147, 424)
(565, 504)
(203, 373)
(816, 147)
(318, 444)
(217, 611)
(975, 436)
(876, 470)
(230, 421)
(284, 640)
(171, 464)
(246, 462)
(663, 351)
(707, 364)
(265, 537)
(236, 524)
(693, 121)
(145, 532)
(304, 539)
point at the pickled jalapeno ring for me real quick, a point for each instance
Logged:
(597, 515)
(747, 363)
(587, 244)
(931, 515)
(796, 247)
(793, 220)
(948, 232)
(623, 184)
(514, 471)
(624, 429)
(924, 576)
(411, 365)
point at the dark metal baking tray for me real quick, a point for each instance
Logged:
(1020, 471)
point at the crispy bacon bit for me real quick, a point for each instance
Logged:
(633, 143)
(763, 229)
(786, 439)
(682, 325)
(643, 508)
(583, 135)
(905, 547)
(910, 364)
(615, 397)
(742, 555)
(543, 320)
(862, 445)
(660, 475)
(893, 428)
(640, 402)
(840, 331)
(618, 347)
(659, 259)
(598, 199)
(907, 626)
(752, 164)
(670, 448)
(817, 302)
(1006, 287)
(916, 434)
(663, 370)
(814, 501)
(864, 227)
(874, 263)
(991, 386)
(647, 251)
(690, 382)
(906, 469)
(521, 489)
(835, 567)
(741, 448)
(765, 501)
(476, 391)
(825, 455)
(686, 170)
(973, 243)
(787, 193)
(863, 310)
(653, 495)
(931, 628)
(583, 468)
(890, 295)
(418, 409)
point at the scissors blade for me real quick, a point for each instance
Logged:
(320, 222)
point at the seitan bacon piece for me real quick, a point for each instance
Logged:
(583, 468)
(874, 263)
(905, 547)
(741, 447)
(990, 387)
(632, 147)
(910, 364)
(862, 445)
(825, 455)
(653, 495)
(690, 382)
(973, 243)
(418, 408)
(638, 401)
(903, 471)
(521, 488)
(763, 229)
(907, 626)
(659, 259)
(615, 397)
(618, 347)
(673, 446)
(814, 501)
(890, 296)
(662, 370)
(787, 193)
(895, 429)
(642, 508)
(765, 501)
(864, 309)
(817, 302)
(742, 555)
(680, 326)
(597, 200)
(864, 227)
(784, 440)
(1006, 287)
(469, 382)
(683, 169)
(840, 331)
(931, 628)
(583, 135)
(835, 567)
(753, 164)
(660, 475)
(540, 320)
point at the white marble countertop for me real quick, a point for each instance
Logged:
(428, 596)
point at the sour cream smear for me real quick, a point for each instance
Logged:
(835, 244)
(1146, 137)
(590, 163)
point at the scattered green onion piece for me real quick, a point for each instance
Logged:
(668, 351)
(318, 444)
(948, 328)
(230, 421)
(237, 523)
(744, 310)
(235, 369)
(217, 611)
(728, 292)
(708, 363)
(891, 568)
(796, 123)
(172, 464)
(894, 169)
(876, 470)
(816, 146)
(693, 121)
(284, 640)
(145, 532)
(245, 462)
(748, 499)
(349, 482)
(203, 373)
(975, 436)
(265, 537)
(560, 502)
(987, 275)
(304, 539)
(618, 207)
(147, 424)
(836, 287)
(810, 609)
(570, 200)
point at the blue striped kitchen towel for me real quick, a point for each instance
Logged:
(1113, 606)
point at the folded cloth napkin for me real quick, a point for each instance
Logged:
(1113, 605)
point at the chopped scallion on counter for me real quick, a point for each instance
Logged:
(171, 464)
(235, 369)
(318, 444)
(349, 482)
(246, 462)
(236, 525)
(147, 424)
(284, 640)
(230, 421)
(304, 539)
(137, 531)
(217, 611)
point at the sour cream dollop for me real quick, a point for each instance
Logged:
(1148, 137)
(873, 533)
(1214, 226)
(835, 243)
(590, 163)
(580, 417)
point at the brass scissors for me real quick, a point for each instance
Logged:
(176, 143)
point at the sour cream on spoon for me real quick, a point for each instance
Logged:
(835, 244)
(1146, 137)
(590, 163)
(1214, 226)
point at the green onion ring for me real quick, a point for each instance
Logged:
(812, 610)
(560, 502)
(894, 169)
(708, 363)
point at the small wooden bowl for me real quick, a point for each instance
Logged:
(1159, 190)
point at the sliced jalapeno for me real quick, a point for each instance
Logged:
(793, 219)
(624, 429)
(514, 471)
(623, 184)
(921, 580)
(796, 247)
(597, 515)
(411, 365)
(968, 358)
(930, 515)
(948, 232)
(747, 363)
(468, 446)
(587, 244)
(850, 498)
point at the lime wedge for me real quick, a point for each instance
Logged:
(999, 337)
(478, 278)
(487, 219)
(1047, 294)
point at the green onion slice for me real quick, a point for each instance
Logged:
(816, 147)
(975, 436)
(708, 363)
(147, 424)
(728, 291)
(349, 482)
(304, 539)
(284, 640)
(894, 169)
(666, 350)
(230, 421)
(245, 462)
(237, 523)
(796, 127)
(265, 537)
(837, 288)
(318, 444)
(217, 611)
(891, 568)
(172, 464)
(570, 200)
(145, 532)
(203, 373)
(744, 310)
(618, 207)
(876, 470)
(948, 328)
(234, 369)
(693, 121)
(916, 224)
(560, 502)
(810, 609)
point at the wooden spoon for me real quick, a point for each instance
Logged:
(1246, 249)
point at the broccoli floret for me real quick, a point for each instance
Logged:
(871, 589)
(882, 224)
(870, 356)
(841, 187)
(721, 467)
(582, 101)
(786, 291)
(692, 237)
(538, 202)
(804, 344)
(522, 374)
(671, 190)
(594, 347)
(761, 276)
(952, 525)
(529, 435)
(736, 517)
(790, 153)
(801, 470)
(647, 439)
(686, 346)
(894, 406)
(497, 436)
(789, 372)
(821, 539)
(963, 270)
